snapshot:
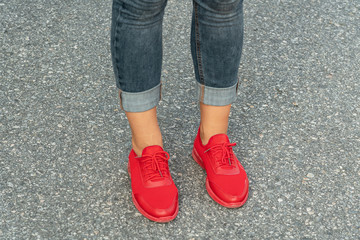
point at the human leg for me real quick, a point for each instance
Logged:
(216, 44)
(214, 120)
(136, 47)
(144, 133)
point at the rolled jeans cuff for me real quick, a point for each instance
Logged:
(216, 96)
(140, 101)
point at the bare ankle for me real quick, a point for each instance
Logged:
(206, 132)
(214, 120)
(145, 130)
(138, 145)
(136, 149)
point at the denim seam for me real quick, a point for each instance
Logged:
(160, 90)
(198, 51)
(115, 42)
(120, 97)
(116, 60)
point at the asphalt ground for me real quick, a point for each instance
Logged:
(65, 142)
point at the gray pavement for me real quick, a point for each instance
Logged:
(64, 141)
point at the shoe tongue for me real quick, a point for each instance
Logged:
(218, 138)
(152, 149)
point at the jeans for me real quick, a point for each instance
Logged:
(136, 48)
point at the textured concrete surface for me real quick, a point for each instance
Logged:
(64, 141)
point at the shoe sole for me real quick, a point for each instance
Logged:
(146, 214)
(199, 161)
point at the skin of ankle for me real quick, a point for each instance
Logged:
(214, 120)
(145, 129)
(143, 141)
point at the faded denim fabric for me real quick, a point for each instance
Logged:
(136, 47)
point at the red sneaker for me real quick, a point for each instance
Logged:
(153, 190)
(226, 180)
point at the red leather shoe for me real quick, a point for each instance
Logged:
(226, 180)
(153, 190)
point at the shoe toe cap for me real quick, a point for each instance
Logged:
(159, 203)
(231, 191)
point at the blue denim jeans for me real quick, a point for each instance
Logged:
(136, 48)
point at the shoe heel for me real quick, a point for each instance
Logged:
(197, 158)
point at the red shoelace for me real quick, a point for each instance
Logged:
(155, 166)
(223, 154)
